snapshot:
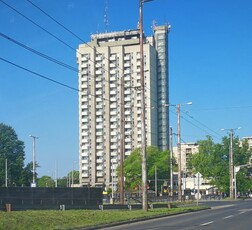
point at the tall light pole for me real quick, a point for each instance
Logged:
(231, 163)
(33, 160)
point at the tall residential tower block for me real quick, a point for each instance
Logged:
(110, 100)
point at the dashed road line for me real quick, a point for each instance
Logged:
(227, 217)
(205, 224)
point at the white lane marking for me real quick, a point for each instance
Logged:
(223, 206)
(206, 223)
(241, 213)
(228, 217)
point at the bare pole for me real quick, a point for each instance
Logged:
(122, 143)
(231, 166)
(179, 154)
(171, 166)
(144, 168)
(6, 173)
(231, 163)
(33, 160)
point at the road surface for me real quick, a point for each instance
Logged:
(226, 215)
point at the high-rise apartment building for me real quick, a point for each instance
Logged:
(110, 100)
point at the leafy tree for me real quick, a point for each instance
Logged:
(212, 161)
(155, 159)
(62, 182)
(12, 150)
(46, 181)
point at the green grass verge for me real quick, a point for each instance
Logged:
(71, 219)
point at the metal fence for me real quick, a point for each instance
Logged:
(24, 198)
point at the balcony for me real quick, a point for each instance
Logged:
(113, 106)
(99, 119)
(100, 160)
(128, 126)
(128, 99)
(112, 92)
(113, 99)
(99, 167)
(113, 85)
(99, 147)
(84, 174)
(84, 65)
(99, 153)
(98, 72)
(98, 58)
(84, 120)
(98, 92)
(85, 167)
(113, 71)
(99, 174)
(112, 58)
(99, 85)
(127, 71)
(127, 64)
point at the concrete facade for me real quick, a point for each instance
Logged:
(104, 96)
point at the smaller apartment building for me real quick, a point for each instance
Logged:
(187, 150)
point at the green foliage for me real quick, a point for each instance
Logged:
(212, 161)
(12, 150)
(46, 181)
(155, 159)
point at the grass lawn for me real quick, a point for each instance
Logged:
(71, 219)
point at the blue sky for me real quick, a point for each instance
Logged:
(210, 53)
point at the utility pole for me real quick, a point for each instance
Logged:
(179, 150)
(231, 166)
(171, 165)
(144, 165)
(33, 161)
(179, 154)
(231, 163)
(122, 144)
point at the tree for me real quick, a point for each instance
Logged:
(155, 159)
(212, 161)
(12, 150)
(46, 181)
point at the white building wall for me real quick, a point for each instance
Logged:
(102, 63)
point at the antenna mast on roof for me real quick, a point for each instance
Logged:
(106, 16)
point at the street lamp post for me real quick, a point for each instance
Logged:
(33, 160)
(231, 163)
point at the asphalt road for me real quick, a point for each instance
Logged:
(226, 215)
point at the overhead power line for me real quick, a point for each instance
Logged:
(75, 35)
(39, 53)
(36, 24)
(60, 24)
(54, 36)
(201, 123)
(39, 75)
(202, 129)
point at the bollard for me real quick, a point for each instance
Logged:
(62, 207)
(8, 207)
